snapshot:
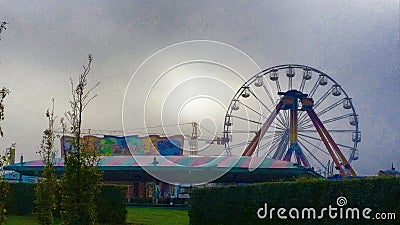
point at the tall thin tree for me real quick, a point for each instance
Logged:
(45, 190)
(81, 179)
(4, 186)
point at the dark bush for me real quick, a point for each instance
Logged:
(239, 204)
(21, 198)
(111, 204)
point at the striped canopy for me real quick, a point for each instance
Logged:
(130, 168)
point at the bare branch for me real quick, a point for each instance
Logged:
(84, 106)
(79, 102)
(88, 92)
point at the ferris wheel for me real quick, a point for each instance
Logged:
(294, 113)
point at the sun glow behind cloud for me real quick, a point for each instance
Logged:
(46, 42)
(187, 82)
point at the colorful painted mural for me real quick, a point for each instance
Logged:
(110, 145)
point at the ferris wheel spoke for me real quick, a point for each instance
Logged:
(317, 103)
(314, 164)
(339, 144)
(273, 103)
(327, 109)
(271, 143)
(301, 116)
(315, 146)
(281, 118)
(344, 146)
(282, 146)
(274, 144)
(252, 131)
(278, 86)
(310, 94)
(268, 153)
(270, 111)
(255, 111)
(242, 131)
(303, 126)
(323, 97)
(323, 111)
(314, 138)
(285, 117)
(269, 94)
(330, 131)
(278, 137)
(240, 144)
(303, 83)
(308, 136)
(312, 155)
(259, 100)
(249, 120)
(268, 136)
(314, 88)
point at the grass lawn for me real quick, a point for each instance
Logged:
(22, 220)
(136, 216)
(157, 216)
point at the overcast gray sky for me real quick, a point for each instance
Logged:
(47, 42)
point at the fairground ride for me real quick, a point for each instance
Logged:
(294, 113)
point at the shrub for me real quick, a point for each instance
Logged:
(111, 204)
(4, 191)
(21, 198)
(46, 201)
(239, 204)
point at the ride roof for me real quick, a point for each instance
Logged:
(127, 168)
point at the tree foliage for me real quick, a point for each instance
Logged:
(4, 187)
(81, 179)
(45, 190)
(110, 204)
(4, 190)
(3, 93)
(3, 26)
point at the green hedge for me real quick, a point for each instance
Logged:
(21, 198)
(111, 202)
(239, 204)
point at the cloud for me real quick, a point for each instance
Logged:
(46, 42)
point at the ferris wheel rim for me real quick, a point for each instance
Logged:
(264, 73)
